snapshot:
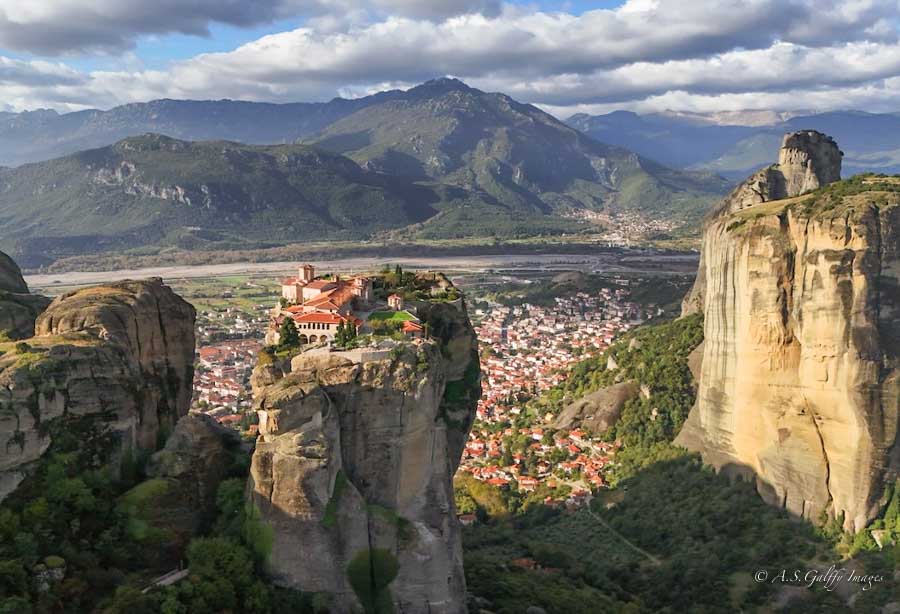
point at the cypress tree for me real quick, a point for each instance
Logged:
(288, 337)
(340, 338)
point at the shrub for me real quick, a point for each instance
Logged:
(370, 572)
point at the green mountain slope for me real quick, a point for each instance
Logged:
(512, 153)
(43, 134)
(153, 190)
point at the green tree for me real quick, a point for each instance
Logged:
(288, 337)
(340, 337)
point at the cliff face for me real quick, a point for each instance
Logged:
(352, 470)
(807, 160)
(799, 378)
(114, 361)
(18, 308)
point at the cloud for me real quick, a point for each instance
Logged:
(51, 27)
(54, 27)
(644, 54)
(437, 9)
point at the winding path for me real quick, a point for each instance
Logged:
(628, 542)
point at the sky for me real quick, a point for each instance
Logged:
(565, 56)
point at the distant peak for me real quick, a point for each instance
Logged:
(442, 85)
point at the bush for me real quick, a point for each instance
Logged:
(370, 572)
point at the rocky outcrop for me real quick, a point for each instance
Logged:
(598, 410)
(807, 160)
(799, 383)
(117, 360)
(352, 470)
(178, 500)
(11, 277)
(198, 455)
(18, 308)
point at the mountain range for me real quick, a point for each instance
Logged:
(441, 160)
(734, 145)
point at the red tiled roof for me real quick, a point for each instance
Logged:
(320, 284)
(324, 318)
(338, 297)
(411, 327)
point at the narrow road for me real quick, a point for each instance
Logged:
(168, 579)
(631, 545)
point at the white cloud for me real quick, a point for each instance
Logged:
(704, 53)
(51, 27)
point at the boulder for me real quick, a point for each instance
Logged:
(599, 410)
(11, 279)
(114, 362)
(199, 454)
(18, 308)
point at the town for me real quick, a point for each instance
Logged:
(526, 350)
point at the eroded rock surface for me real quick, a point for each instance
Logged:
(598, 410)
(798, 383)
(198, 455)
(18, 308)
(807, 160)
(117, 359)
(11, 279)
(356, 456)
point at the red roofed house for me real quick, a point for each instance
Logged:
(413, 329)
(318, 327)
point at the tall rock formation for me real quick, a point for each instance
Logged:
(807, 160)
(799, 383)
(111, 365)
(352, 470)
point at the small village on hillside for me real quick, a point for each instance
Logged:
(527, 349)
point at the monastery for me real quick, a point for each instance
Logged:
(319, 305)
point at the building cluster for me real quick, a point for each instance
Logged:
(531, 349)
(624, 229)
(321, 306)
(222, 376)
(572, 459)
(230, 323)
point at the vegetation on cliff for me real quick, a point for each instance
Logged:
(847, 197)
(670, 535)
